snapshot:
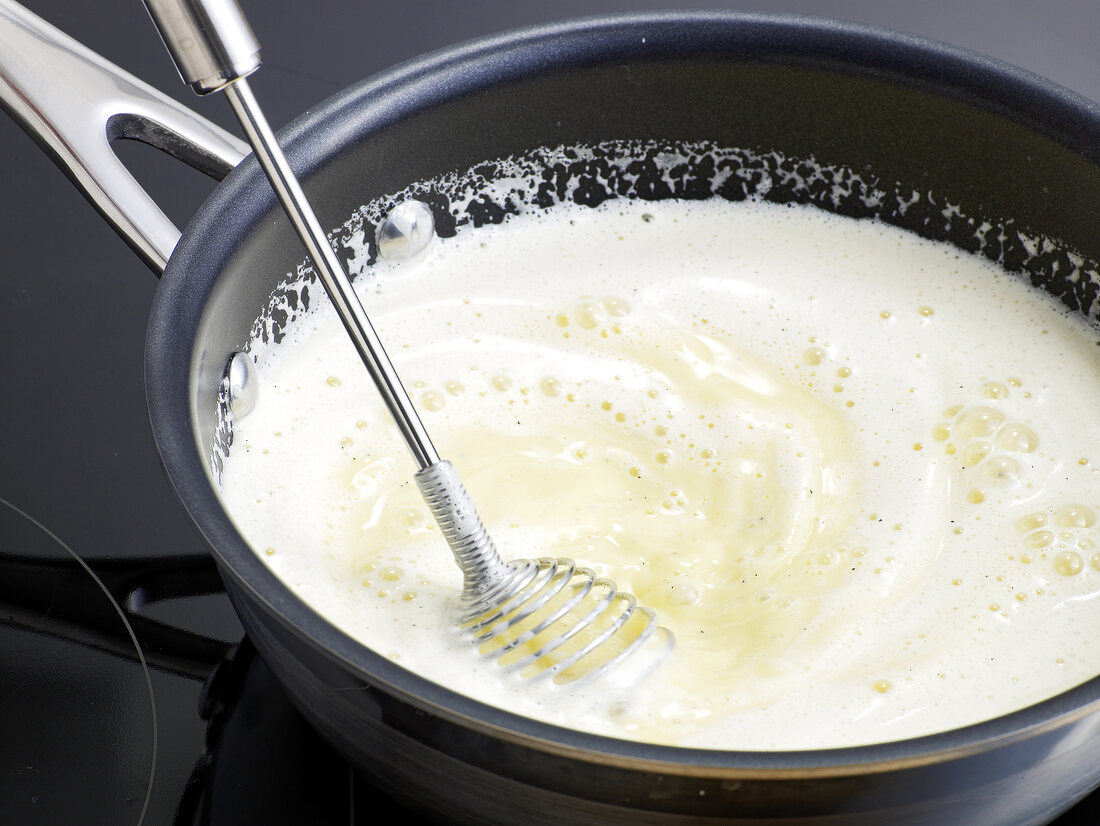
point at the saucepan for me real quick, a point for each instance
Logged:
(947, 144)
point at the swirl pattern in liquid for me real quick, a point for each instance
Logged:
(853, 470)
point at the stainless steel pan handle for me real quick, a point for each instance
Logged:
(75, 104)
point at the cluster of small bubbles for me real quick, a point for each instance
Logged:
(983, 431)
(842, 373)
(590, 315)
(674, 504)
(1062, 534)
(368, 581)
(817, 561)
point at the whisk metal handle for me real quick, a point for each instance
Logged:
(209, 40)
(211, 43)
(214, 48)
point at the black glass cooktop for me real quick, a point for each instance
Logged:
(127, 691)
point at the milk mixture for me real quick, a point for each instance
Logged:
(854, 471)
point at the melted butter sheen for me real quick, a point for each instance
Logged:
(843, 464)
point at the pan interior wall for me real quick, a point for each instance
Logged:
(858, 144)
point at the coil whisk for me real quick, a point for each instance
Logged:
(542, 617)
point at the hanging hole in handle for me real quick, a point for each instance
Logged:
(178, 188)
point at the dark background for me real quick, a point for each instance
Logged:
(75, 448)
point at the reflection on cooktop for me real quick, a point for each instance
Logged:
(111, 717)
(77, 703)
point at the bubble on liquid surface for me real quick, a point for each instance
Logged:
(975, 452)
(1074, 516)
(978, 422)
(813, 356)
(1068, 563)
(1017, 438)
(1001, 470)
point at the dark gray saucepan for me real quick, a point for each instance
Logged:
(854, 120)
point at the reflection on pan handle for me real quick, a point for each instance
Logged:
(75, 104)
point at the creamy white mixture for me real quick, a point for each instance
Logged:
(854, 471)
